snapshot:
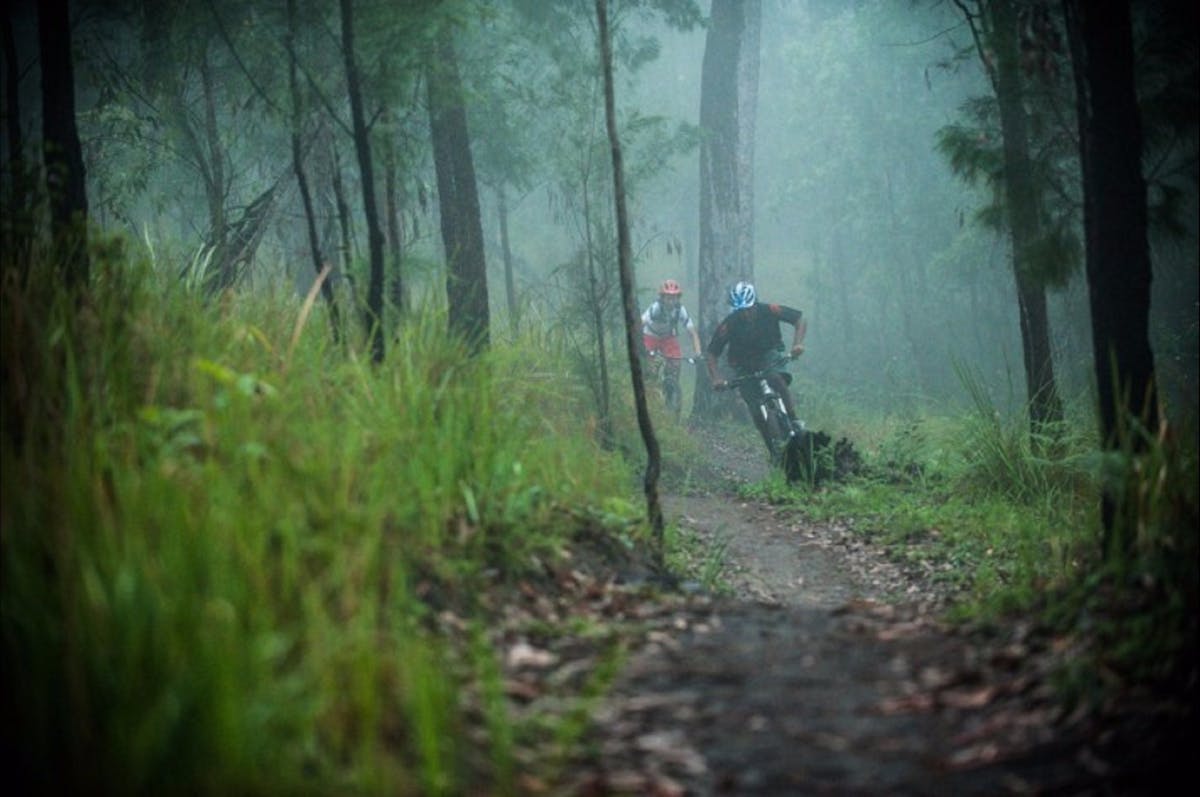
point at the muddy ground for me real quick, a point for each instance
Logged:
(825, 669)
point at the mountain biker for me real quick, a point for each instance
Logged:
(751, 340)
(660, 326)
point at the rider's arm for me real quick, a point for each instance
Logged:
(697, 348)
(798, 338)
(791, 315)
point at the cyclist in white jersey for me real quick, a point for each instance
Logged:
(661, 322)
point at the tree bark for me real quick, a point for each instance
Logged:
(598, 302)
(728, 99)
(15, 231)
(362, 147)
(633, 339)
(62, 153)
(395, 228)
(1115, 222)
(12, 89)
(1022, 204)
(215, 187)
(342, 207)
(510, 286)
(458, 199)
(314, 242)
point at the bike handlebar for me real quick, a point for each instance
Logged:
(752, 377)
(656, 353)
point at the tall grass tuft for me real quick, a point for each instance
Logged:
(1003, 455)
(1150, 584)
(220, 559)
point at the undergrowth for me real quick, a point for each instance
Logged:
(224, 535)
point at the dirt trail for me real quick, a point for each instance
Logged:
(820, 675)
(772, 560)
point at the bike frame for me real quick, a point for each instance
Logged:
(668, 381)
(784, 435)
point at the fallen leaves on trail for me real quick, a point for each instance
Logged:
(523, 655)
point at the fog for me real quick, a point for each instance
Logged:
(858, 218)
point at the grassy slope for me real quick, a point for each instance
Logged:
(219, 550)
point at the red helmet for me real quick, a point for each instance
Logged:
(670, 288)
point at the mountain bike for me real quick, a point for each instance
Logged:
(789, 443)
(667, 379)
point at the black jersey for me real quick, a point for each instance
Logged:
(752, 335)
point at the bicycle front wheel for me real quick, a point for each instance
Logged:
(778, 431)
(673, 396)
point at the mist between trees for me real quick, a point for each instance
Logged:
(869, 147)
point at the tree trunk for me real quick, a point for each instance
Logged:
(342, 205)
(1115, 222)
(395, 228)
(633, 340)
(62, 153)
(597, 304)
(15, 230)
(510, 286)
(362, 147)
(314, 242)
(1022, 203)
(12, 89)
(215, 188)
(728, 98)
(907, 268)
(458, 199)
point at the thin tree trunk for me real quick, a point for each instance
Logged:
(1022, 203)
(510, 287)
(15, 236)
(12, 89)
(215, 186)
(63, 155)
(314, 242)
(362, 146)
(603, 391)
(911, 299)
(458, 199)
(633, 340)
(728, 98)
(395, 229)
(839, 268)
(345, 225)
(1115, 221)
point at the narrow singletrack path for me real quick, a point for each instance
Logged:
(822, 674)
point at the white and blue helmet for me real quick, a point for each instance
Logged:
(742, 295)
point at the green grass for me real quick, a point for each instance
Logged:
(220, 550)
(1009, 523)
(939, 498)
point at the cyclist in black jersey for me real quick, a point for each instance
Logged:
(751, 341)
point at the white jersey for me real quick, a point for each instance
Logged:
(663, 323)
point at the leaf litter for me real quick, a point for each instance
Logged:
(824, 669)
